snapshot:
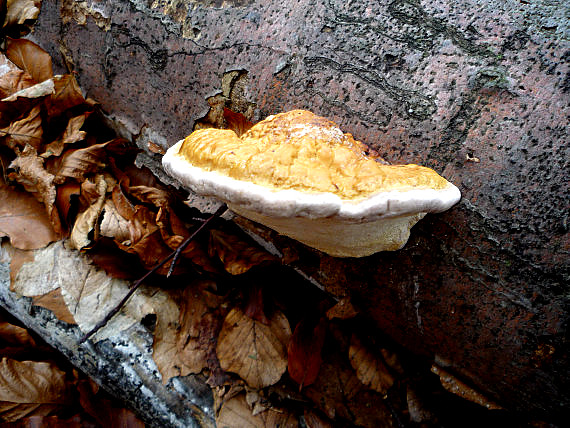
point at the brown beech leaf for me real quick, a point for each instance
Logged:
(31, 174)
(116, 263)
(236, 122)
(67, 202)
(460, 388)
(87, 220)
(152, 195)
(237, 255)
(13, 81)
(71, 134)
(54, 302)
(370, 369)
(20, 13)
(77, 163)
(24, 220)
(185, 337)
(342, 310)
(235, 413)
(25, 130)
(255, 351)
(30, 388)
(304, 351)
(14, 335)
(67, 94)
(103, 410)
(30, 57)
(75, 421)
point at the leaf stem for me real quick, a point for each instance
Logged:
(174, 255)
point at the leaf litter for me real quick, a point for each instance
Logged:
(272, 358)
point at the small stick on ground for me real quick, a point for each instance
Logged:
(174, 255)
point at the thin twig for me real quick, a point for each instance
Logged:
(174, 255)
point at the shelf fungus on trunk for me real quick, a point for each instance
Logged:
(300, 175)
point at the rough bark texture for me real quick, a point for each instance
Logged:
(477, 90)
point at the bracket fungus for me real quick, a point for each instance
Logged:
(300, 175)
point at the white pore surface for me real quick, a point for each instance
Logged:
(250, 197)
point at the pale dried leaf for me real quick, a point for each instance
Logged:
(235, 413)
(43, 89)
(28, 387)
(20, 11)
(113, 224)
(24, 220)
(26, 130)
(255, 351)
(30, 57)
(13, 80)
(370, 369)
(87, 291)
(460, 388)
(87, 220)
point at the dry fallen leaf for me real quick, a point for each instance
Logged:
(21, 13)
(25, 130)
(30, 57)
(255, 351)
(71, 134)
(30, 172)
(67, 94)
(237, 255)
(460, 388)
(370, 368)
(236, 122)
(30, 388)
(77, 163)
(235, 413)
(342, 310)
(86, 221)
(304, 351)
(55, 302)
(87, 291)
(186, 330)
(24, 220)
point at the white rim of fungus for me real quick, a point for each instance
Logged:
(294, 203)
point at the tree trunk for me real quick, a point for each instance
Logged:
(477, 90)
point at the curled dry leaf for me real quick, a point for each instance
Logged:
(236, 122)
(30, 172)
(186, 330)
(342, 310)
(24, 220)
(87, 220)
(304, 351)
(370, 369)
(237, 255)
(113, 224)
(71, 134)
(67, 94)
(457, 387)
(30, 388)
(23, 131)
(13, 335)
(235, 413)
(77, 163)
(13, 81)
(255, 351)
(21, 12)
(29, 57)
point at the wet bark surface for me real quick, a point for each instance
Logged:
(477, 90)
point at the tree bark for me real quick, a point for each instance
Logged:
(477, 90)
